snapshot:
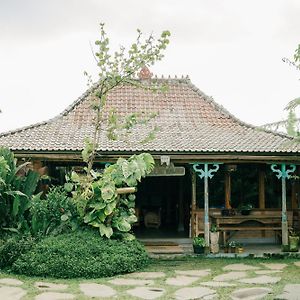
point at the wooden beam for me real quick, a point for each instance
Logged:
(261, 189)
(126, 190)
(184, 157)
(227, 190)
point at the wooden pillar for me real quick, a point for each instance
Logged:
(180, 207)
(193, 218)
(261, 189)
(227, 189)
(206, 206)
(284, 220)
(194, 196)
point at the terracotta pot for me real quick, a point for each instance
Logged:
(239, 250)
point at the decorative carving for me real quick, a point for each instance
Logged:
(284, 172)
(206, 173)
(145, 73)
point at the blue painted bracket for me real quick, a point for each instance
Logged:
(206, 173)
(284, 172)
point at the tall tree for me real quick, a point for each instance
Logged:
(97, 195)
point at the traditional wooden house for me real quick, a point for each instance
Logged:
(209, 163)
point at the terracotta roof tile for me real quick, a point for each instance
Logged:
(188, 121)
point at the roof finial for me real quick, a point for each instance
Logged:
(145, 73)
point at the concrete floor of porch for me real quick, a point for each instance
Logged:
(165, 247)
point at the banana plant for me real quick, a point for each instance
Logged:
(15, 192)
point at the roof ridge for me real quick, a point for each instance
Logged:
(223, 110)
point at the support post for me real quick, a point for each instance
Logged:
(206, 173)
(227, 190)
(284, 174)
(193, 219)
(194, 196)
(284, 228)
(261, 189)
(206, 212)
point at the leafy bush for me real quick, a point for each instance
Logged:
(15, 191)
(12, 248)
(97, 199)
(81, 254)
(54, 214)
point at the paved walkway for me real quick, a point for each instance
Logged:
(260, 281)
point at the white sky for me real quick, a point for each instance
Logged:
(231, 49)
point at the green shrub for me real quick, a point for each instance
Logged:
(12, 248)
(53, 215)
(81, 254)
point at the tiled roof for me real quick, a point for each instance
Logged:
(188, 121)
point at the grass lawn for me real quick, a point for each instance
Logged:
(290, 274)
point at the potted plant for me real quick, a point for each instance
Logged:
(232, 246)
(245, 209)
(199, 245)
(214, 239)
(293, 241)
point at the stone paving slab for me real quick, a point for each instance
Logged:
(194, 273)
(290, 292)
(41, 285)
(97, 290)
(230, 276)
(135, 282)
(266, 272)
(146, 292)
(11, 293)
(240, 267)
(147, 275)
(11, 281)
(54, 296)
(250, 293)
(274, 266)
(263, 279)
(217, 284)
(195, 293)
(181, 280)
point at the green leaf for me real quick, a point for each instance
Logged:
(89, 217)
(97, 205)
(109, 208)
(123, 225)
(16, 205)
(108, 192)
(68, 187)
(105, 230)
(64, 217)
(75, 177)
